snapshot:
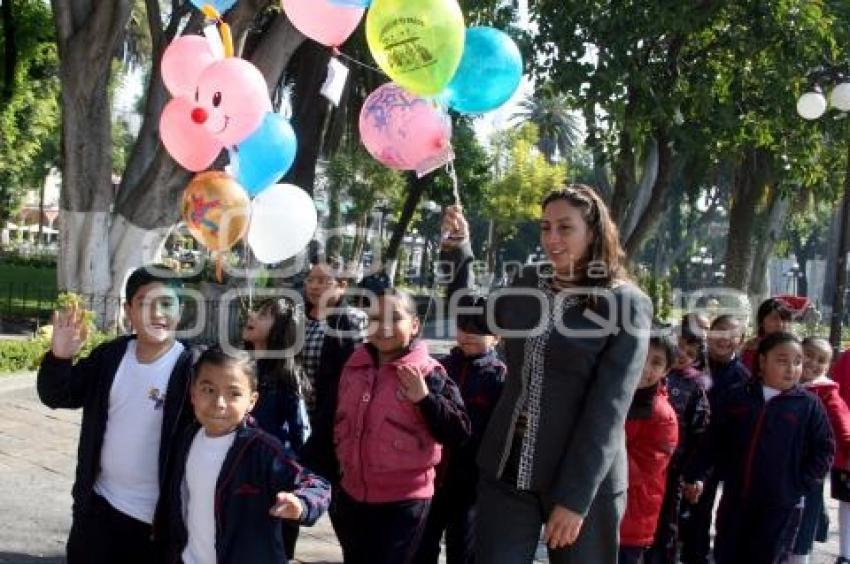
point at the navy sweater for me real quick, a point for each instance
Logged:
(775, 451)
(254, 471)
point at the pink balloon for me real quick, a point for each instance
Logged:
(183, 62)
(323, 21)
(186, 141)
(235, 98)
(403, 131)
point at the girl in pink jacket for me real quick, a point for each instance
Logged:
(396, 409)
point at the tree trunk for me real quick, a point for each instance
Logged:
(416, 187)
(88, 34)
(651, 215)
(649, 175)
(309, 111)
(749, 184)
(770, 231)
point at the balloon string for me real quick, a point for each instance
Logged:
(336, 52)
(223, 29)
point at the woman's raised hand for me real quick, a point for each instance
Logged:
(455, 228)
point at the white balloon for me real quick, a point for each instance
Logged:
(283, 220)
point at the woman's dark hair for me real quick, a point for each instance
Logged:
(769, 343)
(216, 356)
(605, 248)
(285, 372)
(769, 306)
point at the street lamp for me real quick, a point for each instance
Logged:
(812, 105)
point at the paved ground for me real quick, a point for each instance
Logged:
(37, 458)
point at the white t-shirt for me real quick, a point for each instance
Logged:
(203, 466)
(129, 459)
(769, 393)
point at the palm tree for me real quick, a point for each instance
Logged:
(558, 128)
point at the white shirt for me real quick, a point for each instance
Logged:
(203, 466)
(129, 459)
(769, 393)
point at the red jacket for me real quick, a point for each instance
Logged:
(839, 417)
(650, 444)
(388, 446)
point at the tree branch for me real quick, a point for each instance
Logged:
(10, 51)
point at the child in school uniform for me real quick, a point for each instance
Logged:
(685, 385)
(233, 482)
(840, 474)
(396, 409)
(652, 432)
(133, 391)
(725, 371)
(479, 374)
(773, 316)
(815, 522)
(771, 445)
(271, 334)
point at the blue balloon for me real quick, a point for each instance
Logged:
(264, 157)
(351, 3)
(489, 73)
(221, 6)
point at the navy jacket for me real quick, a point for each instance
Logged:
(725, 375)
(687, 396)
(480, 381)
(86, 385)
(773, 452)
(280, 412)
(254, 471)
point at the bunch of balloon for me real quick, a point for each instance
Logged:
(222, 102)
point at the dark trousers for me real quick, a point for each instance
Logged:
(290, 537)
(632, 555)
(754, 532)
(665, 548)
(695, 525)
(509, 522)
(100, 534)
(451, 511)
(379, 533)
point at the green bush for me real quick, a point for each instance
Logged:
(22, 356)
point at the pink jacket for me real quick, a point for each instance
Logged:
(388, 446)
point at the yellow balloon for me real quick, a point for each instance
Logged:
(418, 43)
(216, 210)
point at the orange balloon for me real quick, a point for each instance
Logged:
(216, 210)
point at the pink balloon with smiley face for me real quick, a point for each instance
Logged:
(218, 103)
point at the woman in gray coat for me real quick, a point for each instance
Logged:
(575, 337)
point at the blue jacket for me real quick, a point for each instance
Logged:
(776, 451)
(725, 375)
(254, 471)
(480, 381)
(282, 413)
(687, 396)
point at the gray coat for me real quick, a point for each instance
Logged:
(588, 383)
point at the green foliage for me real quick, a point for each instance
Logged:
(365, 181)
(558, 127)
(660, 293)
(29, 119)
(523, 178)
(20, 356)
